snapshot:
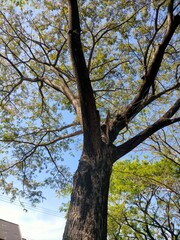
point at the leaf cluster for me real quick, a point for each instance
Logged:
(144, 200)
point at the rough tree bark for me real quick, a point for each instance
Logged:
(87, 216)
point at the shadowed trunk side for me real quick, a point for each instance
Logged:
(87, 216)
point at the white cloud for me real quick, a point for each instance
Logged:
(33, 225)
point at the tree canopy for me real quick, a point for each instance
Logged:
(144, 200)
(104, 70)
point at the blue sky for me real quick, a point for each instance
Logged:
(35, 225)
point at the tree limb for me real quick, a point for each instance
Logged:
(68, 93)
(43, 144)
(135, 106)
(90, 118)
(164, 121)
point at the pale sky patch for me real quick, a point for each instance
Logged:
(33, 225)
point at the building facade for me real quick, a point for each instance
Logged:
(9, 231)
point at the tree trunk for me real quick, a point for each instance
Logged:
(87, 216)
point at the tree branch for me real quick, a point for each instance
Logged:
(43, 144)
(12, 64)
(90, 118)
(68, 93)
(135, 107)
(164, 121)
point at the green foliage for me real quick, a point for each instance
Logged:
(15, 2)
(144, 200)
(38, 120)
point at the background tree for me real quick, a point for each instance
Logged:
(144, 200)
(108, 70)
